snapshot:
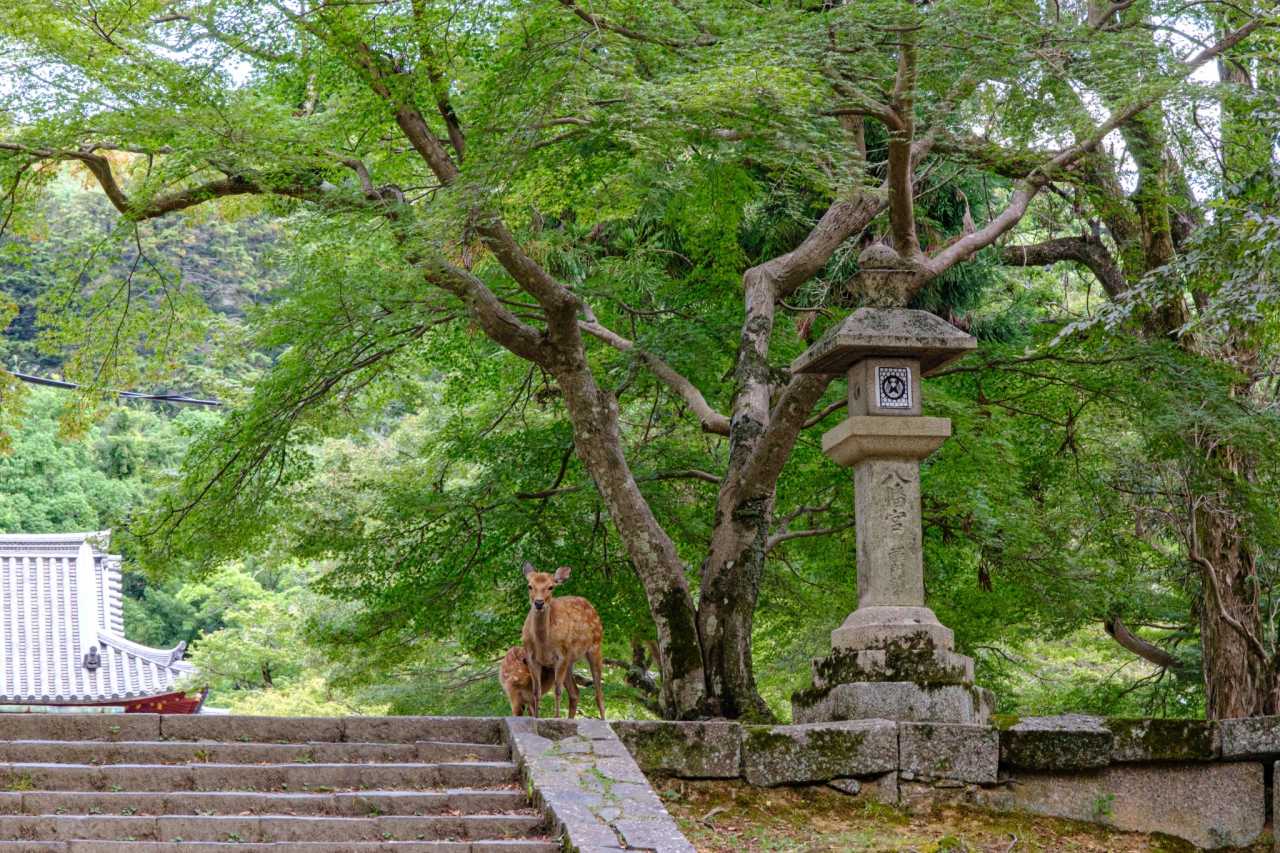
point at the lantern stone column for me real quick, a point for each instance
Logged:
(891, 658)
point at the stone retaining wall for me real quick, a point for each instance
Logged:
(1197, 780)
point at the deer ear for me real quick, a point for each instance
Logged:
(528, 568)
(562, 574)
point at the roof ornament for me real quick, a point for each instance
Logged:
(92, 660)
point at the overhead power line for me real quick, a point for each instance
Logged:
(125, 395)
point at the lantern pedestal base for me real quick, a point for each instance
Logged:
(894, 663)
(895, 700)
(876, 627)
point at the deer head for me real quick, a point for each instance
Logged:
(543, 584)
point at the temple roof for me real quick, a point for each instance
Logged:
(62, 626)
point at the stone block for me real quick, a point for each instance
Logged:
(863, 437)
(1163, 740)
(1254, 737)
(885, 331)
(1065, 742)
(246, 729)
(912, 659)
(916, 797)
(687, 750)
(852, 787)
(888, 626)
(1209, 805)
(788, 755)
(411, 729)
(652, 835)
(884, 789)
(81, 727)
(884, 386)
(894, 700)
(947, 751)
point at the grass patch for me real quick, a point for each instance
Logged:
(17, 782)
(733, 817)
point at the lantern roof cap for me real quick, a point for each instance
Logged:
(886, 332)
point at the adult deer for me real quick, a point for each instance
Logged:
(516, 682)
(558, 632)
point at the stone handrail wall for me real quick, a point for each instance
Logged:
(589, 788)
(1209, 783)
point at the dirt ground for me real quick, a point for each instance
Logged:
(732, 817)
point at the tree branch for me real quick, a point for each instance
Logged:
(239, 44)
(778, 538)
(1140, 647)
(818, 417)
(711, 420)
(1030, 185)
(682, 474)
(600, 22)
(158, 205)
(439, 86)
(1087, 250)
(497, 322)
(760, 473)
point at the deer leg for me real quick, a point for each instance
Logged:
(535, 678)
(572, 686)
(596, 659)
(562, 667)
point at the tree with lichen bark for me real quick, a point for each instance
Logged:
(478, 170)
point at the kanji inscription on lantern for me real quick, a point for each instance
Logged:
(899, 502)
(893, 387)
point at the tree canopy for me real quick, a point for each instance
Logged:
(542, 265)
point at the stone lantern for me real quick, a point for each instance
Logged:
(892, 658)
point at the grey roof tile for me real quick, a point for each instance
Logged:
(60, 594)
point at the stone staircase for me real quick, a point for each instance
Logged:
(140, 782)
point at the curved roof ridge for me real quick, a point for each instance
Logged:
(163, 657)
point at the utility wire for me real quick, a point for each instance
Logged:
(126, 395)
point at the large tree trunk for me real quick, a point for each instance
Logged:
(731, 577)
(1240, 671)
(594, 415)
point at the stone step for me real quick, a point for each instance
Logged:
(267, 829)
(505, 846)
(357, 804)
(188, 752)
(317, 778)
(237, 729)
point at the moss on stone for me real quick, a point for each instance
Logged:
(666, 746)
(914, 658)
(837, 747)
(809, 696)
(787, 755)
(1053, 744)
(758, 739)
(687, 750)
(1145, 739)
